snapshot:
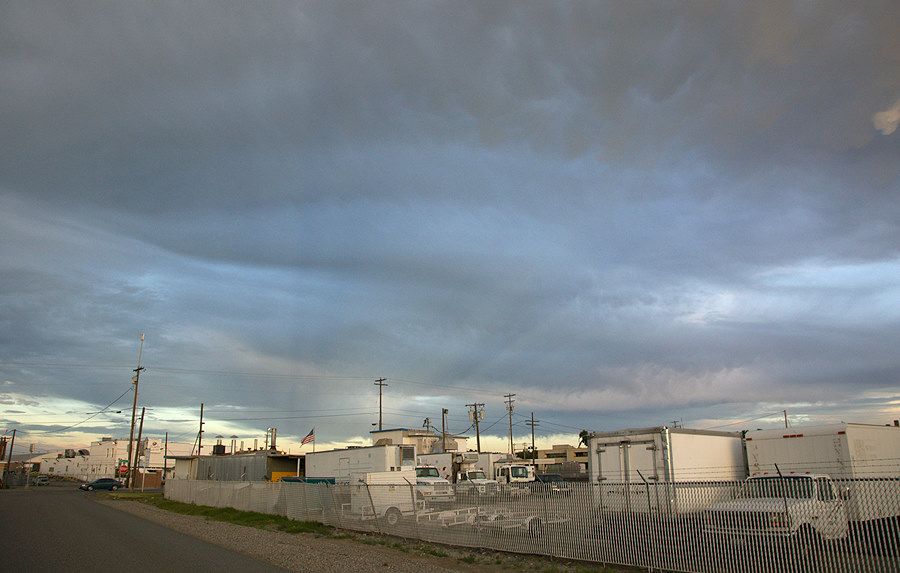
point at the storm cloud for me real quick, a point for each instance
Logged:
(626, 214)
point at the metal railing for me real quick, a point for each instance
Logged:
(792, 526)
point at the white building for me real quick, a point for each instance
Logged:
(108, 457)
(425, 441)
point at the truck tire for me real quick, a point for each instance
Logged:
(535, 527)
(808, 540)
(392, 517)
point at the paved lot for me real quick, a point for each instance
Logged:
(60, 528)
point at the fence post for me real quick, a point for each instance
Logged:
(649, 521)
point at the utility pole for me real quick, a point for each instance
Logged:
(200, 433)
(380, 383)
(477, 416)
(135, 379)
(134, 472)
(785, 419)
(533, 423)
(166, 457)
(12, 443)
(444, 430)
(509, 408)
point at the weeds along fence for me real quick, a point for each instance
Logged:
(690, 527)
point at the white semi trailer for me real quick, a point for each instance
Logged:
(664, 470)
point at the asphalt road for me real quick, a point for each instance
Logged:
(58, 528)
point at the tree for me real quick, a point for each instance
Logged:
(582, 437)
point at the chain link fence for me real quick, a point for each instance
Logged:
(781, 525)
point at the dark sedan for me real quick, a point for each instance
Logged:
(102, 483)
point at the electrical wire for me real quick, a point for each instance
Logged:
(108, 406)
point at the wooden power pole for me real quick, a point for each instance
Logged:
(509, 408)
(135, 380)
(380, 383)
(477, 416)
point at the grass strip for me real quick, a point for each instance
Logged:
(230, 515)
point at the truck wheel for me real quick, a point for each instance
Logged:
(808, 540)
(535, 527)
(392, 517)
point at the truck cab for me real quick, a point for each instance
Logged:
(781, 505)
(431, 486)
(476, 482)
(515, 478)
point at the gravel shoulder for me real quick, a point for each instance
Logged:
(350, 553)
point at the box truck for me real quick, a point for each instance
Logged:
(512, 475)
(820, 481)
(663, 470)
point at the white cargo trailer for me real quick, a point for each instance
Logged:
(337, 466)
(388, 496)
(842, 451)
(662, 469)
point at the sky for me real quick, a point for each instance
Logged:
(625, 214)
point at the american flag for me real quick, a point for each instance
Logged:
(310, 437)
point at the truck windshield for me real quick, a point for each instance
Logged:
(792, 487)
(427, 473)
(476, 475)
(518, 472)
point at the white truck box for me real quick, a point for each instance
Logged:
(336, 466)
(661, 469)
(864, 461)
(387, 495)
(842, 451)
(488, 462)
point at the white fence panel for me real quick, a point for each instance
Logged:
(690, 527)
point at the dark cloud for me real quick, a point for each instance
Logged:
(631, 210)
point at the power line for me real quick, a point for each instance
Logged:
(89, 417)
(769, 415)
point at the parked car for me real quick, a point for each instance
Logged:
(102, 483)
(552, 484)
(40, 480)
